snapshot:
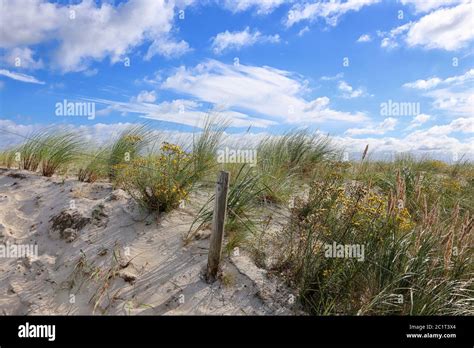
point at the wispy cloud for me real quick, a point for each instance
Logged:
(422, 6)
(303, 31)
(261, 6)
(257, 90)
(180, 111)
(227, 41)
(20, 77)
(338, 76)
(330, 11)
(430, 83)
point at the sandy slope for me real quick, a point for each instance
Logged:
(130, 263)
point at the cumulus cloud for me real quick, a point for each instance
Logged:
(348, 91)
(462, 125)
(388, 43)
(87, 31)
(383, 127)
(101, 133)
(418, 144)
(389, 39)
(262, 91)
(418, 121)
(330, 11)
(454, 95)
(226, 41)
(364, 38)
(427, 142)
(435, 141)
(446, 28)
(22, 58)
(42, 18)
(452, 101)
(13, 133)
(145, 97)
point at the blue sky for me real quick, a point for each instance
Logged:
(274, 65)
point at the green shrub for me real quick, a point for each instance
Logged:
(408, 267)
(158, 183)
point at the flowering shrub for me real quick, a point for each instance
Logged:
(399, 247)
(126, 147)
(158, 183)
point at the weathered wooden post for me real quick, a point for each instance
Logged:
(218, 221)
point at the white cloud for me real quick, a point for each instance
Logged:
(454, 95)
(436, 81)
(421, 118)
(303, 31)
(29, 22)
(423, 84)
(20, 77)
(22, 58)
(86, 31)
(167, 48)
(385, 126)
(462, 125)
(258, 90)
(145, 97)
(452, 101)
(449, 29)
(101, 133)
(98, 133)
(348, 91)
(364, 38)
(181, 111)
(389, 40)
(428, 5)
(331, 78)
(418, 121)
(388, 43)
(329, 11)
(416, 143)
(262, 6)
(433, 142)
(226, 41)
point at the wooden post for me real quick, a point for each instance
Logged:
(218, 221)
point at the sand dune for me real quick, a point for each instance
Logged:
(98, 253)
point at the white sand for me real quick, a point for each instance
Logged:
(162, 275)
